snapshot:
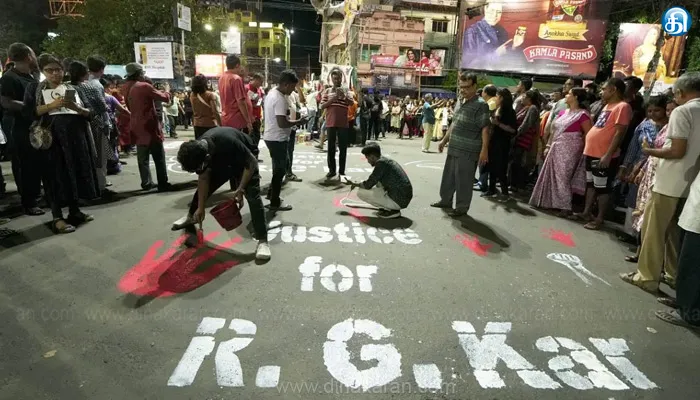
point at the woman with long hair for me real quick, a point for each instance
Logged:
(645, 176)
(71, 168)
(528, 118)
(563, 172)
(505, 125)
(205, 113)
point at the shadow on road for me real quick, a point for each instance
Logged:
(482, 230)
(10, 238)
(513, 205)
(379, 223)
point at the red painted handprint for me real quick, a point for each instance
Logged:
(177, 270)
(564, 238)
(473, 244)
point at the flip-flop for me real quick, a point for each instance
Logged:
(667, 301)
(593, 225)
(580, 217)
(632, 259)
(673, 317)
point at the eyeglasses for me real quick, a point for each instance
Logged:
(51, 71)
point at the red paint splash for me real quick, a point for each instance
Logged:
(177, 270)
(559, 236)
(473, 244)
(354, 212)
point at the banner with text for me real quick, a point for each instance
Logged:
(636, 47)
(210, 65)
(156, 58)
(423, 62)
(546, 37)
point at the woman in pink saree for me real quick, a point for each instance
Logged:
(563, 170)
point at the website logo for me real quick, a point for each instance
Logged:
(676, 21)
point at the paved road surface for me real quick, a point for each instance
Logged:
(511, 304)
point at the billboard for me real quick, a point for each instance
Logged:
(424, 62)
(636, 46)
(547, 37)
(326, 74)
(210, 65)
(231, 42)
(156, 58)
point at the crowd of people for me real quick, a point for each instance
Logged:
(608, 146)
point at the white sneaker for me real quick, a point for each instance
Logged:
(263, 253)
(182, 222)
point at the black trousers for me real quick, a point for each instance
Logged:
(341, 135)
(201, 130)
(499, 150)
(375, 126)
(252, 196)
(290, 151)
(364, 127)
(518, 168)
(255, 136)
(688, 281)
(279, 155)
(143, 154)
(25, 164)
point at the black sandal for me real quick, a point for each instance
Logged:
(67, 228)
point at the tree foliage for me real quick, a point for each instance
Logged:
(110, 28)
(22, 21)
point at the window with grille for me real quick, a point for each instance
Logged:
(439, 26)
(368, 52)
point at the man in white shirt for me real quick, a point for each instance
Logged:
(278, 127)
(678, 165)
(688, 282)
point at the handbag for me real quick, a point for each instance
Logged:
(40, 136)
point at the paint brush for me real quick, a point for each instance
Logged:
(200, 234)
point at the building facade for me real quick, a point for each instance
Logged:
(408, 38)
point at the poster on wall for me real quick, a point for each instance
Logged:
(636, 47)
(545, 37)
(424, 62)
(210, 65)
(326, 74)
(156, 58)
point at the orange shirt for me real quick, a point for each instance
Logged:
(352, 111)
(601, 135)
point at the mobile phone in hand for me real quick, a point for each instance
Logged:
(70, 95)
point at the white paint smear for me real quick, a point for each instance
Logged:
(364, 276)
(614, 350)
(346, 281)
(337, 358)
(210, 326)
(186, 370)
(268, 376)
(575, 265)
(485, 354)
(463, 327)
(228, 366)
(427, 376)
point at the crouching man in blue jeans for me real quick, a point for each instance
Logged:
(388, 187)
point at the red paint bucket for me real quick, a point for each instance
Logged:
(227, 215)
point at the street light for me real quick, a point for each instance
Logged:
(52, 35)
(208, 27)
(277, 59)
(233, 29)
(291, 31)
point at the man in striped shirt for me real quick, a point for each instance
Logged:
(468, 139)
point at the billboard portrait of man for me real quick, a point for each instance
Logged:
(487, 38)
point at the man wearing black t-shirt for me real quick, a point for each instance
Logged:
(225, 154)
(26, 161)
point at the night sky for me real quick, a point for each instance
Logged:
(306, 25)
